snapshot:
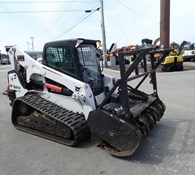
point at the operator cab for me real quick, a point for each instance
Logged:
(76, 58)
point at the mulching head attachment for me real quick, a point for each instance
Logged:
(124, 119)
(122, 135)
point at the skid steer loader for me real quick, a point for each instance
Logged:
(68, 98)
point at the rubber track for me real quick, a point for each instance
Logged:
(75, 121)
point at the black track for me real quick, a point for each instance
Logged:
(74, 121)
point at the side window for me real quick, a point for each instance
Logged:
(60, 58)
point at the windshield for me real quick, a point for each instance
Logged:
(91, 67)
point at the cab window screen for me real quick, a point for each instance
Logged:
(91, 68)
(88, 60)
(60, 58)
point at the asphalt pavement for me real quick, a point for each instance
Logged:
(168, 150)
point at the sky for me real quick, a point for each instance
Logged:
(126, 21)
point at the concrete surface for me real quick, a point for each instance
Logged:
(169, 149)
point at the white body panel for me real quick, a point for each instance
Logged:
(82, 99)
(14, 84)
(69, 103)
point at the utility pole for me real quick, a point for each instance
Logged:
(164, 23)
(32, 38)
(103, 33)
(28, 45)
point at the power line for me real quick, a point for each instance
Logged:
(74, 25)
(36, 2)
(69, 15)
(59, 16)
(46, 11)
(139, 14)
